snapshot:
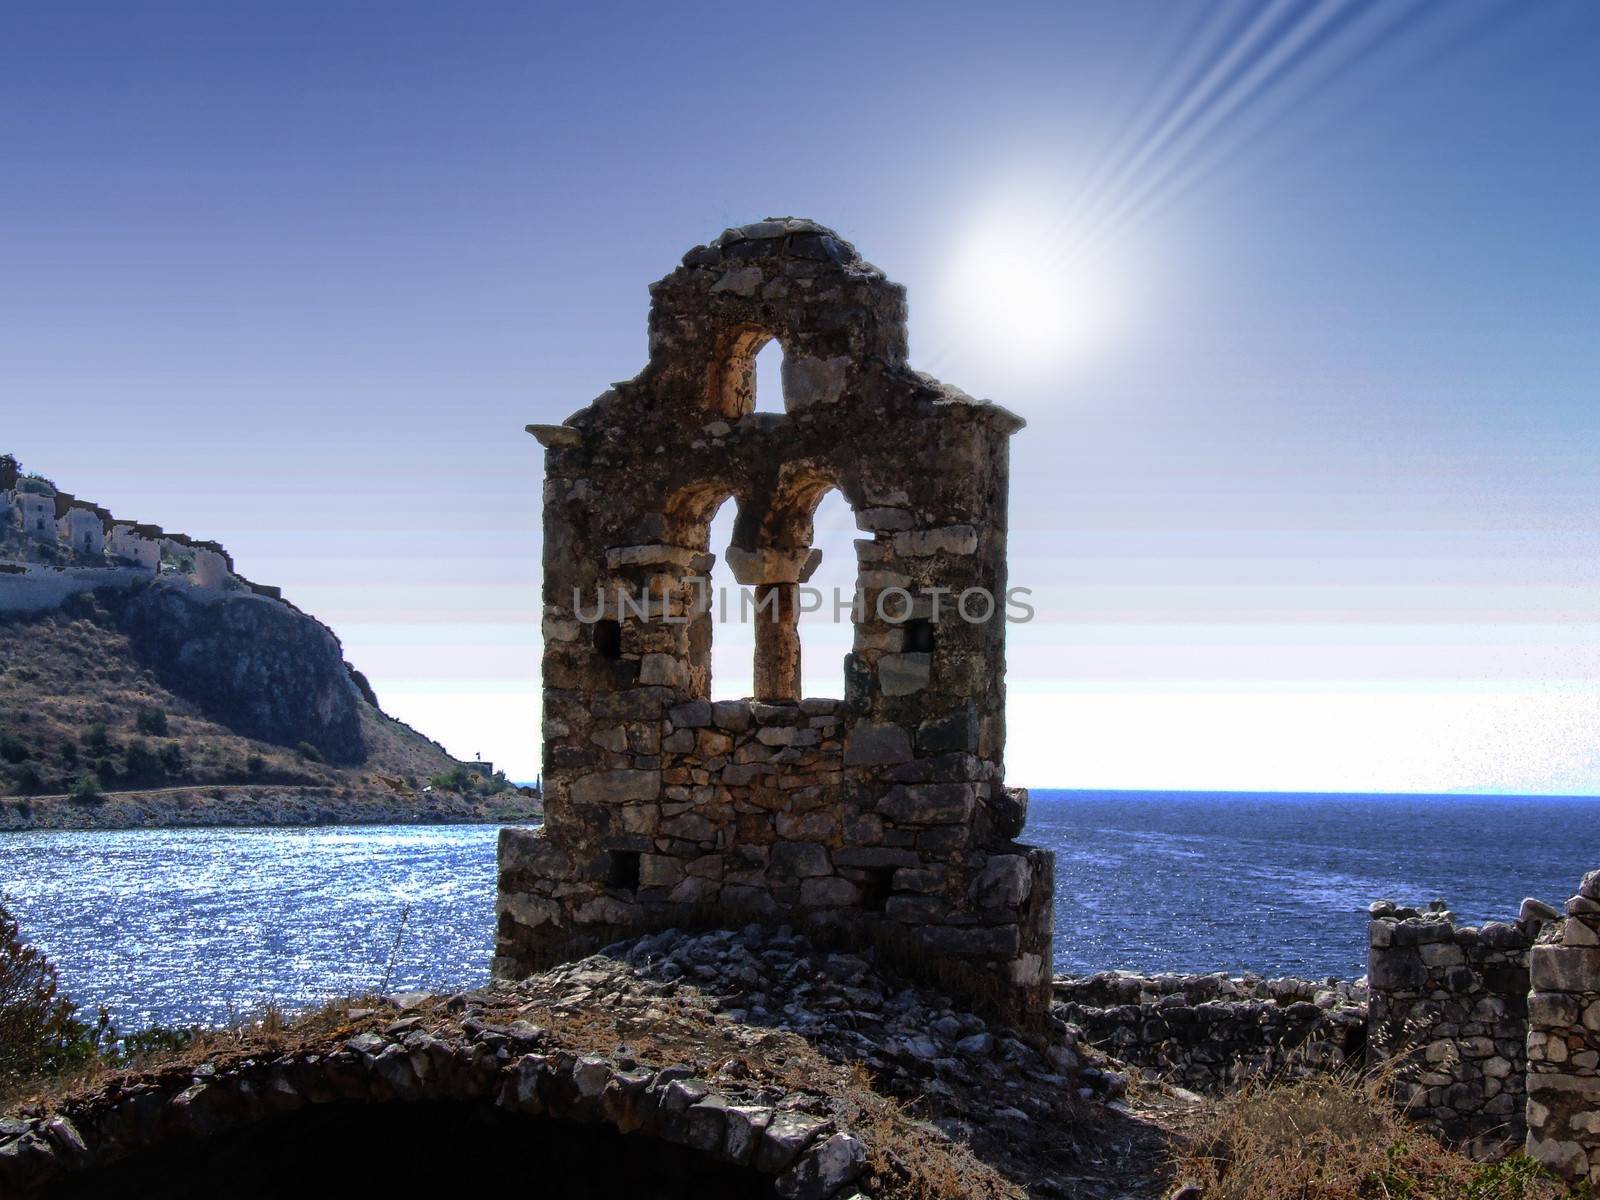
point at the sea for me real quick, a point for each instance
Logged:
(207, 926)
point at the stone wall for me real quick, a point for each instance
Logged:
(883, 813)
(1211, 1032)
(1449, 1010)
(1563, 1108)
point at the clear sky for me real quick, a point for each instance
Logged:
(1301, 302)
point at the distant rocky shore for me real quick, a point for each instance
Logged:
(235, 805)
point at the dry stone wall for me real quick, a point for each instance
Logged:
(1563, 1107)
(1449, 1010)
(1212, 1032)
(883, 813)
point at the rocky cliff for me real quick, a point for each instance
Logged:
(258, 666)
(154, 702)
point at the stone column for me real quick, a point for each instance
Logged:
(777, 670)
(1564, 1043)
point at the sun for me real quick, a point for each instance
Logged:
(1026, 291)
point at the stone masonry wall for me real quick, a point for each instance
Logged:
(882, 813)
(1212, 1032)
(1449, 1009)
(1563, 1110)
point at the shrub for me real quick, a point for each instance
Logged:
(157, 1039)
(69, 754)
(172, 758)
(255, 764)
(139, 761)
(151, 720)
(86, 787)
(95, 739)
(36, 485)
(455, 780)
(38, 1031)
(308, 752)
(13, 749)
(29, 780)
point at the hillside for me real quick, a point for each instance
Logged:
(135, 662)
(100, 697)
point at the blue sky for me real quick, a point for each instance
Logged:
(1299, 301)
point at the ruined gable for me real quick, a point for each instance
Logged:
(883, 813)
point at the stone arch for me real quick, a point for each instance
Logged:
(739, 1144)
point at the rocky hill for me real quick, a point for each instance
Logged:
(150, 705)
(167, 690)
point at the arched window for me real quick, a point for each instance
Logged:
(826, 626)
(769, 378)
(732, 649)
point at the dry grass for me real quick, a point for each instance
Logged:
(270, 1029)
(1339, 1138)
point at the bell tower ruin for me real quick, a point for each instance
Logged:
(882, 815)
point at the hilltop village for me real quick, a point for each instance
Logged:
(49, 536)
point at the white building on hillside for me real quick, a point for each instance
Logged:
(81, 529)
(127, 542)
(35, 514)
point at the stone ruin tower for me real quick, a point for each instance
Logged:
(882, 816)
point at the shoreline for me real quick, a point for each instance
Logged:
(233, 806)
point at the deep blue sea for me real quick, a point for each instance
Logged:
(198, 925)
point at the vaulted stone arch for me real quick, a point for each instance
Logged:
(244, 1125)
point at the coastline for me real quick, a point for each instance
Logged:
(226, 806)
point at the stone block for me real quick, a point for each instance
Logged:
(616, 787)
(663, 670)
(950, 539)
(928, 803)
(1005, 882)
(694, 714)
(530, 852)
(828, 891)
(877, 745)
(731, 715)
(904, 674)
(1395, 968)
(798, 860)
(957, 732)
(1565, 969)
(809, 381)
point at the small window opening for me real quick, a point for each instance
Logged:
(622, 870)
(769, 379)
(608, 639)
(919, 636)
(877, 888)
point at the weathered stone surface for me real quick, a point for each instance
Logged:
(616, 787)
(928, 803)
(1005, 882)
(646, 776)
(877, 745)
(904, 674)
